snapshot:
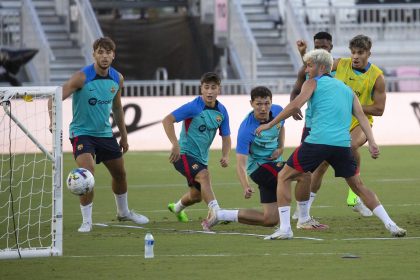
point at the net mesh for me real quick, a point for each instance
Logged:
(26, 174)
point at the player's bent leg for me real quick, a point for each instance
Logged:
(370, 199)
(85, 160)
(358, 138)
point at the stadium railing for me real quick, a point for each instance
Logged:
(229, 87)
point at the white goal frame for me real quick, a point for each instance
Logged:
(55, 156)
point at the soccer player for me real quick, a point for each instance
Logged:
(202, 118)
(96, 91)
(261, 158)
(369, 85)
(332, 104)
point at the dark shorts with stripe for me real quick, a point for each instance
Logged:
(266, 179)
(190, 167)
(305, 133)
(101, 148)
(307, 157)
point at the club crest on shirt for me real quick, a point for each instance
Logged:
(79, 147)
(113, 90)
(278, 125)
(218, 118)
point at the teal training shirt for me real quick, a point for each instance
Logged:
(199, 127)
(258, 149)
(92, 104)
(308, 112)
(332, 106)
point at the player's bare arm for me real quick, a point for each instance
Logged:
(365, 126)
(335, 64)
(301, 77)
(226, 147)
(293, 107)
(241, 161)
(377, 108)
(74, 83)
(118, 113)
(302, 46)
(168, 125)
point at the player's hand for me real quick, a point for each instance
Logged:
(276, 154)
(248, 192)
(124, 144)
(302, 46)
(224, 161)
(175, 153)
(374, 150)
(261, 128)
(298, 116)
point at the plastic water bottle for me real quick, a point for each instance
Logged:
(149, 242)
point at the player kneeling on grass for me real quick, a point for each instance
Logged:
(96, 91)
(333, 104)
(261, 159)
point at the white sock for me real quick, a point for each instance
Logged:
(311, 199)
(381, 213)
(303, 211)
(284, 214)
(87, 212)
(122, 204)
(214, 205)
(227, 215)
(179, 206)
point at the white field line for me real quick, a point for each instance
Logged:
(343, 255)
(188, 231)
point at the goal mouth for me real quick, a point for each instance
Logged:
(30, 172)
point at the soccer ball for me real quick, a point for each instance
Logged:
(80, 181)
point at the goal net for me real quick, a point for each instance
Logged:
(31, 196)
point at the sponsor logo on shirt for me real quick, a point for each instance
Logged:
(93, 101)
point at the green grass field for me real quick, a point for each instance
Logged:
(236, 251)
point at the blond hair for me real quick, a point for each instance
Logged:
(319, 57)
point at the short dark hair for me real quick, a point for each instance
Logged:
(210, 77)
(260, 91)
(323, 35)
(361, 42)
(104, 42)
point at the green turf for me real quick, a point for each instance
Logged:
(117, 252)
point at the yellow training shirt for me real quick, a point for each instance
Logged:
(362, 84)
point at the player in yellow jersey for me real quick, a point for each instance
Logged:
(368, 82)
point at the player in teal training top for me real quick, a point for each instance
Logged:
(261, 158)
(202, 118)
(333, 104)
(96, 91)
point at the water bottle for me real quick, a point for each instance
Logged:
(149, 242)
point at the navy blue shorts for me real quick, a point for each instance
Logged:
(266, 178)
(305, 133)
(307, 157)
(189, 167)
(101, 148)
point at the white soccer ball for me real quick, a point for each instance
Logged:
(80, 181)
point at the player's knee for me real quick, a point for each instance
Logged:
(270, 221)
(119, 176)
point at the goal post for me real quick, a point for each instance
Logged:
(31, 172)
